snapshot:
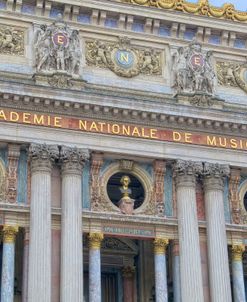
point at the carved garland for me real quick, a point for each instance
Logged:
(202, 7)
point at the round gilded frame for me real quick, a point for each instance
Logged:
(136, 171)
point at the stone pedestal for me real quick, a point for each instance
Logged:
(176, 272)
(95, 240)
(238, 273)
(25, 266)
(71, 241)
(128, 274)
(219, 275)
(161, 292)
(39, 274)
(8, 264)
(190, 259)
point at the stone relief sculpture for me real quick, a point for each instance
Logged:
(58, 52)
(232, 74)
(193, 70)
(122, 58)
(126, 204)
(11, 41)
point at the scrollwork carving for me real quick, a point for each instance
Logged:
(234, 182)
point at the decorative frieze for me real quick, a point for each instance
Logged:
(12, 172)
(123, 59)
(11, 41)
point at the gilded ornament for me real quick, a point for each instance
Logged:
(237, 252)
(160, 245)
(202, 7)
(123, 59)
(9, 233)
(11, 41)
(95, 240)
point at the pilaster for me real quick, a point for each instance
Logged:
(12, 172)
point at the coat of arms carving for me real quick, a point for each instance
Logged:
(123, 59)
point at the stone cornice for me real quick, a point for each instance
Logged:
(124, 106)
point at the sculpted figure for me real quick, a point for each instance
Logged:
(193, 70)
(6, 40)
(57, 49)
(126, 204)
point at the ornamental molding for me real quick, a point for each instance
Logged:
(11, 41)
(123, 59)
(202, 7)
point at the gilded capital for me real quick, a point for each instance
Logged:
(42, 156)
(237, 252)
(160, 245)
(9, 233)
(95, 240)
(73, 159)
(128, 271)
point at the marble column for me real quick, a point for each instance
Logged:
(8, 263)
(176, 271)
(161, 292)
(219, 276)
(71, 234)
(238, 273)
(39, 272)
(128, 274)
(95, 240)
(190, 259)
(25, 266)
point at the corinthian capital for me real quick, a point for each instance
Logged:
(183, 167)
(73, 158)
(216, 170)
(43, 155)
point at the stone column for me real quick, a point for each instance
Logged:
(39, 273)
(8, 263)
(238, 273)
(176, 271)
(128, 273)
(161, 292)
(219, 276)
(25, 266)
(95, 240)
(190, 259)
(71, 234)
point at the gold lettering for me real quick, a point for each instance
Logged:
(83, 125)
(2, 115)
(101, 126)
(60, 39)
(57, 121)
(136, 132)
(188, 137)
(144, 135)
(197, 61)
(14, 116)
(176, 136)
(222, 141)
(234, 144)
(211, 141)
(153, 133)
(26, 117)
(241, 144)
(40, 120)
(124, 57)
(94, 127)
(115, 129)
(48, 120)
(126, 130)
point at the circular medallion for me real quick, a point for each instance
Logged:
(197, 62)
(60, 39)
(124, 58)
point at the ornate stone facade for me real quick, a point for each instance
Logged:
(11, 41)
